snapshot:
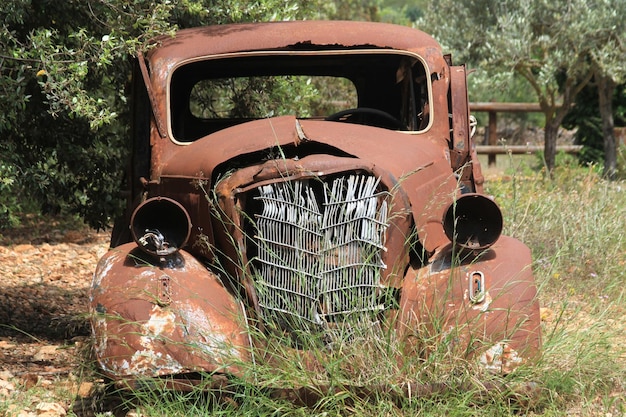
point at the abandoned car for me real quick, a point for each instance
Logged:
(305, 184)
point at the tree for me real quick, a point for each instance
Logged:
(586, 119)
(553, 45)
(64, 68)
(63, 71)
(609, 68)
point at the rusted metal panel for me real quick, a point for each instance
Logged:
(499, 322)
(150, 320)
(210, 42)
(234, 221)
(153, 102)
(421, 169)
(460, 151)
(463, 154)
(225, 39)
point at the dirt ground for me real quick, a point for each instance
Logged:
(45, 271)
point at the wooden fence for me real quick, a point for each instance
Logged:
(491, 133)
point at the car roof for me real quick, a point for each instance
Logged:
(291, 35)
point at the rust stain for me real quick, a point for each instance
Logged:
(290, 225)
(500, 358)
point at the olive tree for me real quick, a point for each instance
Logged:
(64, 68)
(557, 47)
(607, 54)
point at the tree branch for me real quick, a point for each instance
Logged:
(32, 60)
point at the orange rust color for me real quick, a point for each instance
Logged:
(197, 309)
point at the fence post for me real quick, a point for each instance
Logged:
(492, 137)
(492, 108)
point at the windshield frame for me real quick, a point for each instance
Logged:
(345, 52)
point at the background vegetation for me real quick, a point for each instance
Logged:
(558, 48)
(64, 69)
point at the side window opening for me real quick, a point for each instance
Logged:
(415, 105)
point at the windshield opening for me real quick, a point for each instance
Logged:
(379, 89)
(257, 97)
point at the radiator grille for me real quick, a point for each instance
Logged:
(319, 249)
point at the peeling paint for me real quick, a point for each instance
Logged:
(211, 337)
(500, 358)
(201, 329)
(104, 267)
(484, 304)
(148, 273)
(161, 321)
(99, 329)
(150, 362)
(157, 313)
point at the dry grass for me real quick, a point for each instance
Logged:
(575, 224)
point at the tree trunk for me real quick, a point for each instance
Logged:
(550, 135)
(606, 87)
(554, 115)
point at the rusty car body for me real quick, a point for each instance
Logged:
(302, 218)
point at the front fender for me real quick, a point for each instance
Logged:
(481, 306)
(149, 321)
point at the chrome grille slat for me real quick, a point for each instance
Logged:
(319, 250)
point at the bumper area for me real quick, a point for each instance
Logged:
(151, 322)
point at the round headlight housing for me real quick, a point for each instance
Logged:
(473, 221)
(160, 226)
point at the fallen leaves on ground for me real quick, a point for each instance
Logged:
(46, 268)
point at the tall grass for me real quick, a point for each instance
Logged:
(575, 224)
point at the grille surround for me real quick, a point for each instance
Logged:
(319, 246)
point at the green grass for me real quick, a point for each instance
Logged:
(575, 224)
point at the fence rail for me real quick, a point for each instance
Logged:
(523, 149)
(492, 148)
(505, 107)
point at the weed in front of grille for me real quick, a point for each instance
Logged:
(372, 368)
